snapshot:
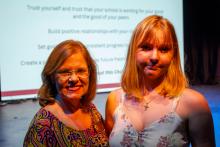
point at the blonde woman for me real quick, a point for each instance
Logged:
(154, 107)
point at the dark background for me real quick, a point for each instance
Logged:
(202, 41)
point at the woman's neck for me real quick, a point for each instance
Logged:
(151, 84)
(68, 105)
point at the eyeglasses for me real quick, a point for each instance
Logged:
(66, 74)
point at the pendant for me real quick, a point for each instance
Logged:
(146, 106)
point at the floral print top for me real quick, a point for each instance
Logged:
(47, 130)
(168, 131)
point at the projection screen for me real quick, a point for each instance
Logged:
(31, 28)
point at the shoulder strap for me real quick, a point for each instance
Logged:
(120, 96)
(175, 103)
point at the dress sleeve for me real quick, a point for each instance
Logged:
(98, 126)
(40, 132)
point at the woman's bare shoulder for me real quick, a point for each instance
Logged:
(113, 99)
(115, 94)
(199, 117)
(194, 100)
(116, 91)
(54, 108)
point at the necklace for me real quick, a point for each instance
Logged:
(146, 104)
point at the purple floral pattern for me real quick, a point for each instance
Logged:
(47, 130)
(131, 137)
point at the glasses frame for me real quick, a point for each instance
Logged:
(67, 74)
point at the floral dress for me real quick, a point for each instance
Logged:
(47, 130)
(168, 131)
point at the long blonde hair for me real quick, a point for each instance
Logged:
(174, 81)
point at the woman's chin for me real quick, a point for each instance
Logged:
(151, 75)
(73, 96)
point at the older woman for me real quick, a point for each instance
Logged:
(67, 117)
(154, 107)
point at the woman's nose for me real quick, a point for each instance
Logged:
(154, 58)
(73, 79)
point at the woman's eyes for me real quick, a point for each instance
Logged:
(164, 49)
(146, 47)
(161, 49)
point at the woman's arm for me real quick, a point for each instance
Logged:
(111, 105)
(200, 122)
